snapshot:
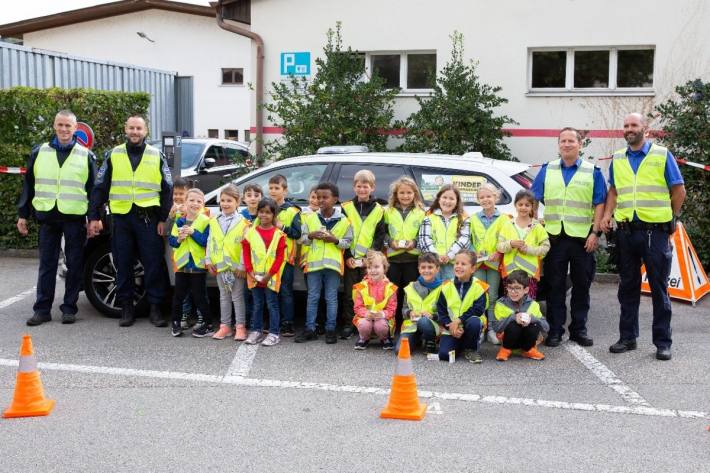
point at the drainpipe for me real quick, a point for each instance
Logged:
(259, 115)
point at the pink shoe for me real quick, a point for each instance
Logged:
(223, 332)
(241, 333)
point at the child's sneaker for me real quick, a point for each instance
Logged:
(473, 356)
(201, 330)
(176, 330)
(241, 333)
(387, 344)
(253, 338)
(493, 338)
(287, 329)
(361, 344)
(534, 354)
(503, 354)
(430, 347)
(271, 340)
(223, 332)
(184, 323)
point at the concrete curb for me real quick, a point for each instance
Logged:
(606, 278)
(19, 253)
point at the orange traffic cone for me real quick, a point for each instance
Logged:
(29, 397)
(404, 402)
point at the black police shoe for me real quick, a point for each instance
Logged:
(128, 316)
(331, 337)
(623, 345)
(663, 353)
(553, 340)
(68, 318)
(306, 336)
(156, 318)
(582, 340)
(38, 319)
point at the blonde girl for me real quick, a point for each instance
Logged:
(445, 230)
(375, 303)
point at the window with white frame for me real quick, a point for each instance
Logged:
(617, 70)
(232, 76)
(408, 71)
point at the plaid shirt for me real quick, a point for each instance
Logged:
(426, 242)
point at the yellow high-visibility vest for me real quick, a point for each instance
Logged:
(363, 231)
(285, 217)
(416, 303)
(188, 246)
(442, 235)
(569, 205)
(226, 249)
(263, 258)
(372, 304)
(403, 229)
(322, 255)
(514, 259)
(141, 187)
(63, 186)
(484, 240)
(456, 307)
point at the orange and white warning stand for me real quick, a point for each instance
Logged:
(403, 402)
(29, 400)
(687, 280)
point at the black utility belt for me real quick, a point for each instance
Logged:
(645, 226)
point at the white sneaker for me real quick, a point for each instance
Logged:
(492, 338)
(253, 338)
(271, 340)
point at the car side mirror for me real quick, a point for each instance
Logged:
(209, 162)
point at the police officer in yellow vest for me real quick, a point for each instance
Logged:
(645, 195)
(60, 176)
(573, 191)
(136, 182)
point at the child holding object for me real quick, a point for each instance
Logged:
(375, 303)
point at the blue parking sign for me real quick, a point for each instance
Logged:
(296, 64)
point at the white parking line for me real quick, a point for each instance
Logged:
(605, 375)
(17, 298)
(241, 365)
(273, 383)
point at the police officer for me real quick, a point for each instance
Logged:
(59, 178)
(645, 195)
(573, 191)
(136, 181)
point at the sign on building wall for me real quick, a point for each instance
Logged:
(296, 64)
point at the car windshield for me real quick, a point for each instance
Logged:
(191, 153)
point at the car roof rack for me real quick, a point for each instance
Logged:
(345, 149)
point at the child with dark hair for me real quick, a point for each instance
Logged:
(251, 196)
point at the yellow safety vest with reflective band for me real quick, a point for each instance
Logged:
(141, 187)
(263, 258)
(363, 231)
(322, 255)
(516, 260)
(457, 307)
(226, 249)
(403, 229)
(189, 246)
(286, 217)
(569, 205)
(502, 311)
(63, 186)
(370, 302)
(484, 240)
(442, 235)
(416, 303)
(645, 192)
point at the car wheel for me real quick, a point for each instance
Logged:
(100, 281)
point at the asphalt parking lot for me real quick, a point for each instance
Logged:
(137, 399)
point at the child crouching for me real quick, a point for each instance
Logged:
(375, 303)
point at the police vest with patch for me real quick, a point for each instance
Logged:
(363, 289)
(442, 235)
(63, 186)
(456, 307)
(645, 192)
(514, 259)
(226, 249)
(141, 187)
(189, 247)
(363, 231)
(484, 240)
(262, 258)
(419, 305)
(403, 229)
(323, 255)
(569, 205)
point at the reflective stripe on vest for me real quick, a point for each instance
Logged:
(368, 301)
(416, 303)
(484, 240)
(569, 205)
(226, 250)
(322, 255)
(63, 186)
(189, 247)
(141, 187)
(363, 231)
(645, 192)
(442, 235)
(403, 229)
(263, 258)
(456, 307)
(516, 260)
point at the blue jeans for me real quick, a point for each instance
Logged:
(425, 331)
(272, 302)
(328, 280)
(469, 341)
(286, 294)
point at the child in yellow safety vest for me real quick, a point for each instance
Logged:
(419, 306)
(375, 303)
(518, 321)
(264, 256)
(224, 260)
(523, 241)
(189, 236)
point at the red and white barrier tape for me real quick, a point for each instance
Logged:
(12, 170)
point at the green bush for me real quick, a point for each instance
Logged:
(28, 115)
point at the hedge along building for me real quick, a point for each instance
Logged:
(560, 63)
(163, 35)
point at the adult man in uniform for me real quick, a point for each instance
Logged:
(573, 191)
(136, 181)
(59, 178)
(646, 193)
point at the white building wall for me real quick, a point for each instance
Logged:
(498, 35)
(189, 44)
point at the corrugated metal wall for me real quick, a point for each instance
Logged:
(21, 66)
(185, 118)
